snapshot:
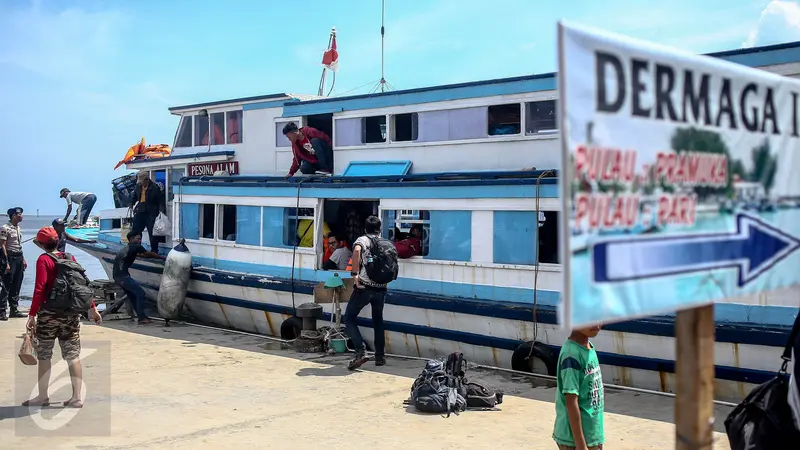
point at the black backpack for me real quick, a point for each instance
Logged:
(764, 418)
(381, 266)
(71, 293)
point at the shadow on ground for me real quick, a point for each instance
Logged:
(659, 408)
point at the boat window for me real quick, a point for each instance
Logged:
(517, 233)
(540, 117)
(227, 223)
(373, 129)
(175, 175)
(280, 139)
(452, 124)
(200, 130)
(345, 219)
(184, 138)
(234, 127)
(406, 226)
(217, 129)
(248, 225)
(504, 119)
(206, 222)
(348, 132)
(405, 127)
(298, 227)
(322, 122)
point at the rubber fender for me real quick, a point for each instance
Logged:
(291, 328)
(520, 361)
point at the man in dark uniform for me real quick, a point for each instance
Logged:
(63, 236)
(150, 202)
(13, 263)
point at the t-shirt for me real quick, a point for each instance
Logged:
(340, 256)
(125, 258)
(579, 373)
(62, 242)
(365, 244)
(76, 197)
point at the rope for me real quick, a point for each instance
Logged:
(536, 267)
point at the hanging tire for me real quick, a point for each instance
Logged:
(523, 359)
(291, 328)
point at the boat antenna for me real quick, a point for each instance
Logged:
(383, 84)
(330, 61)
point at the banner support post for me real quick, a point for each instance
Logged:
(694, 370)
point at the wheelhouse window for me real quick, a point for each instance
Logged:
(280, 139)
(373, 129)
(540, 117)
(504, 119)
(227, 223)
(234, 127)
(405, 127)
(184, 137)
(217, 129)
(299, 227)
(207, 219)
(200, 130)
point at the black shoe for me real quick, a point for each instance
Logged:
(358, 361)
(3, 316)
(15, 313)
(380, 361)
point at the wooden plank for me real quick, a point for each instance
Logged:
(694, 369)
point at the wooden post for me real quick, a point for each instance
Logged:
(694, 368)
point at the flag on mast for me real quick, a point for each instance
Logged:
(330, 59)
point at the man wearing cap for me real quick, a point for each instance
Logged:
(150, 202)
(14, 263)
(85, 201)
(63, 236)
(49, 326)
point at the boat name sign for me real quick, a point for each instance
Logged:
(657, 146)
(210, 168)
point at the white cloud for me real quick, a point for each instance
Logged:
(779, 22)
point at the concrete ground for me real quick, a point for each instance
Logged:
(195, 388)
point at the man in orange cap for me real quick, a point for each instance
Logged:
(50, 323)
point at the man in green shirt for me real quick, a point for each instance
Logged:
(579, 396)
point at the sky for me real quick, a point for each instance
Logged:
(83, 80)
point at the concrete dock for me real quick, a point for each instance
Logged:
(197, 388)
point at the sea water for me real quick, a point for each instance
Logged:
(30, 225)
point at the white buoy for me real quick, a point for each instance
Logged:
(174, 282)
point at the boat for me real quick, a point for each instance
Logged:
(489, 277)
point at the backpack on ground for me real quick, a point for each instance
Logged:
(381, 266)
(71, 293)
(436, 391)
(480, 396)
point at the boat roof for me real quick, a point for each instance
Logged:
(298, 105)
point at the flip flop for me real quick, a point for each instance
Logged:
(46, 402)
(73, 404)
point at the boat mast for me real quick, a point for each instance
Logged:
(383, 84)
(325, 69)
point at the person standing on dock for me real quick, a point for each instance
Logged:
(150, 201)
(579, 394)
(123, 261)
(374, 266)
(63, 236)
(312, 150)
(85, 202)
(14, 264)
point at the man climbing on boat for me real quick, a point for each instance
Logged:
(311, 148)
(84, 200)
(123, 261)
(63, 236)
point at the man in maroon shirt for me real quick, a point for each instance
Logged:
(312, 150)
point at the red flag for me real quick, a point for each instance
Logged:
(330, 58)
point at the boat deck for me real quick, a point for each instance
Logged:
(247, 392)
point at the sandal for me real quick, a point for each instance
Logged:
(45, 402)
(73, 404)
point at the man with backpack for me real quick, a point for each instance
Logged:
(374, 267)
(60, 296)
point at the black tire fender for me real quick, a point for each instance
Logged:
(291, 328)
(520, 361)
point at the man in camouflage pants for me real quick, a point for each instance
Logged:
(49, 326)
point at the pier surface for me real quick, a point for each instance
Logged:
(197, 388)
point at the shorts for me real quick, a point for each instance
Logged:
(567, 447)
(66, 329)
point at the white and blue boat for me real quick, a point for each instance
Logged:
(474, 163)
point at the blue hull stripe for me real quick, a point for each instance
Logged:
(664, 326)
(633, 362)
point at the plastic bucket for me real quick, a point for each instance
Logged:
(339, 345)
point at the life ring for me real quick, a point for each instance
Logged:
(291, 328)
(520, 358)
